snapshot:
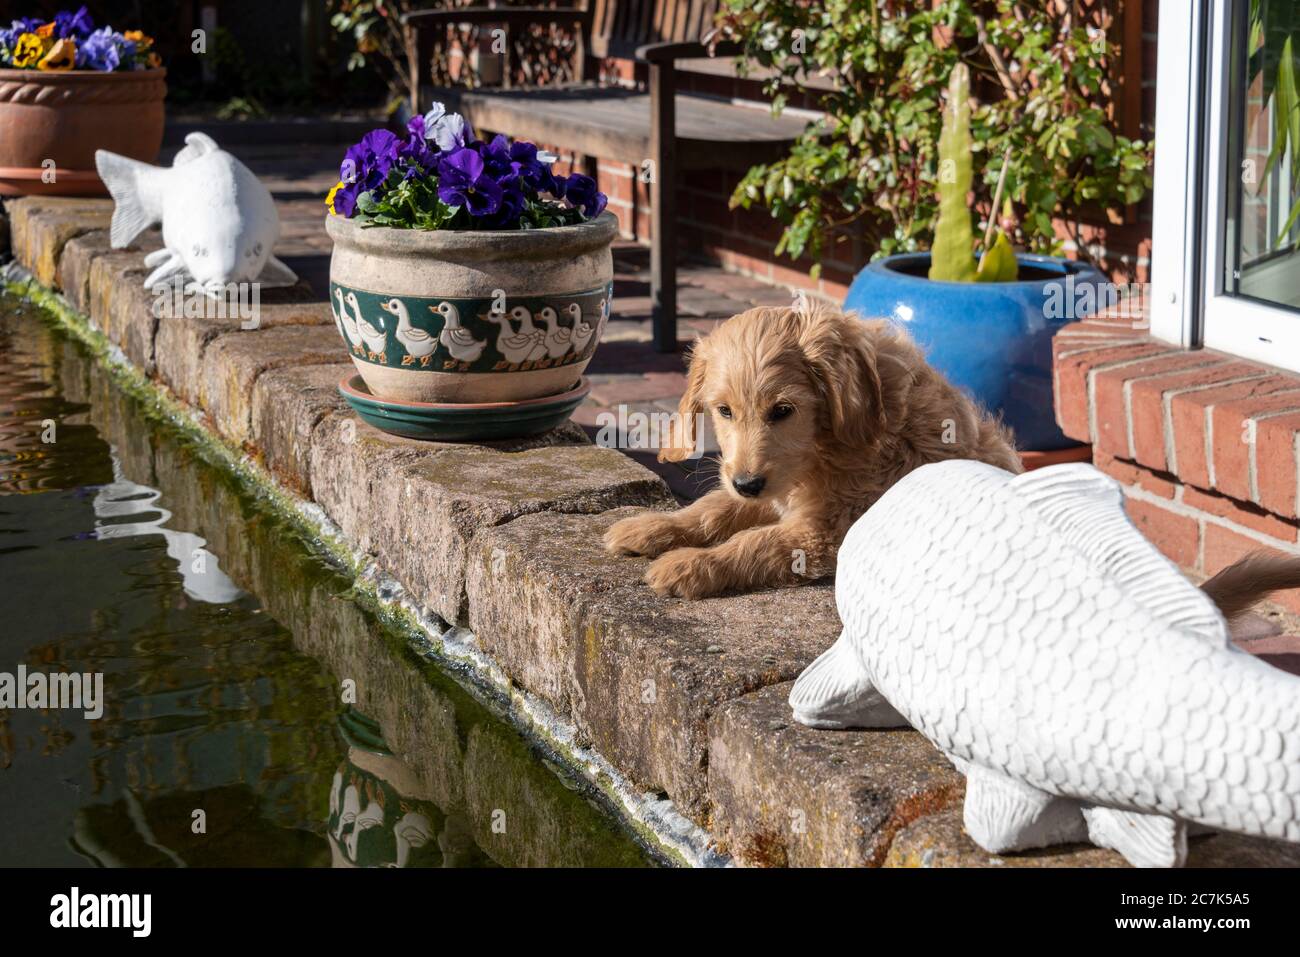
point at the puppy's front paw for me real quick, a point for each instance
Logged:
(684, 573)
(650, 535)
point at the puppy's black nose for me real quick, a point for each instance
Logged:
(749, 485)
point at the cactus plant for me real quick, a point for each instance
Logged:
(952, 257)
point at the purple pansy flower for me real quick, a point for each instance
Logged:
(77, 25)
(498, 162)
(416, 152)
(580, 191)
(462, 182)
(365, 167)
(103, 50)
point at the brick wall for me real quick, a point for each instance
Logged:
(1207, 445)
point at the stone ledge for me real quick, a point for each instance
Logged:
(940, 841)
(639, 675)
(41, 226)
(786, 794)
(417, 505)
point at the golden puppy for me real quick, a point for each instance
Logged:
(817, 414)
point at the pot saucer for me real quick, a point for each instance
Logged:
(462, 421)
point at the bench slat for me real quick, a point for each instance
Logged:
(614, 122)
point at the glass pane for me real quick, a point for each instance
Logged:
(1262, 231)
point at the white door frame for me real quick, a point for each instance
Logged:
(1189, 305)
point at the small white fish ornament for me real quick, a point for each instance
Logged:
(219, 223)
(1087, 690)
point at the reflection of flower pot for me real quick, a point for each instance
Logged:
(992, 339)
(65, 117)
(471, 316)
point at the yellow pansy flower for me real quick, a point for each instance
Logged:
(138, 37)
(46, 30)
(329, 200)
(30, 49)
(62, 56)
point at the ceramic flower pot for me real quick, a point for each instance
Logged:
(65, 116)
(992, 339)
(471, 316)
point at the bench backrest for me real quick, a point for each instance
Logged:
(618, 27)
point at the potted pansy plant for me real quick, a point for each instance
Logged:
(68, 88)
(470, 283)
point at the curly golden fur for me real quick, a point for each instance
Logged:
(817, 414)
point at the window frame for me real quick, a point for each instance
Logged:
(1189, 303)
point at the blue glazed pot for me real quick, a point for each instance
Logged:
(992, 339)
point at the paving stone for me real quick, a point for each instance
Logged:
(785, 794)
(651, 385)
(639, 675)
(232, 364)
(939, 840)
(288, 404)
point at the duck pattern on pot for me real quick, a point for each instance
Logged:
(494, 334)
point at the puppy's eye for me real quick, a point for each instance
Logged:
(724, 411)
(779, 412)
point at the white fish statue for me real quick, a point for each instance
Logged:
(1087, 690)
(219, 223)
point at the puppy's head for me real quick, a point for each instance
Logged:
(779, 383)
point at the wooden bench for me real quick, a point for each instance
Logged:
(674, 131)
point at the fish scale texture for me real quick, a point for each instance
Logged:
(983, 618)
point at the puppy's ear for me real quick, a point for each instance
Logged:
(682, 441)
(841, 355)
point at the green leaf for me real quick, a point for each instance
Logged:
(998, 264)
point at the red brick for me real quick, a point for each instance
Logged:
(1146, 406)
(1223, 546)
(1242, 513)
(1071, 370)
(1232, 446)
(1122, 471)
(1187, 417)
(1275, 463)
(1176, 535)
(1111, 403)
(1093, 328)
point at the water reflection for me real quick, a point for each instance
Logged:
(201, 573)
(224, 647)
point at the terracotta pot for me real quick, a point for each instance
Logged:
(471, 316)
(65, 117)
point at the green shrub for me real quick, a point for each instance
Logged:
(1038, 81)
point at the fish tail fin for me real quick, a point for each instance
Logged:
(131, 214)
(1239, 586)
(835, 691)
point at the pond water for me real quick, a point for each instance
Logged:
(227, 650)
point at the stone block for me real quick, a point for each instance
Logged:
(638, 674)
(785, 794)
